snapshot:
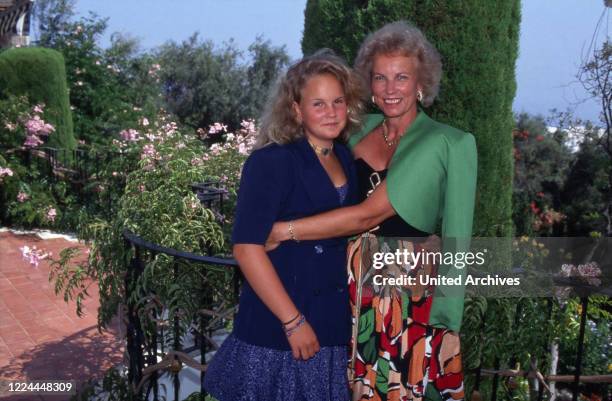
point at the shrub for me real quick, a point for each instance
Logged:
(40, 75)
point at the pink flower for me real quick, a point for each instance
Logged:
(46, 129)
(5, 172)
(215, 149)
(590, 269)
(170, 128)
(34, 124)
(38, 108)
(22, 197)
(248, 126)
(142, 188)
(32, 141)
(217, 128)
(148, 151)
(144, 122)
(51, 214)
(10, 127)
(242, 149)
(130, 135)
(37, 126)
(33, 255)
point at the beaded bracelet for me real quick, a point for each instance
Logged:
(300, 322)
(292, 232)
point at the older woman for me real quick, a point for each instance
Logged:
(414, 173)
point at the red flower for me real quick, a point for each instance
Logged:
(539, 138)
(534, 207)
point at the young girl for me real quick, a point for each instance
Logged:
(293, 324)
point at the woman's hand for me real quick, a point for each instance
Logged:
(278, 234)
(304, 343)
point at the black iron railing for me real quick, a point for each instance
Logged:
(583, 290)
(144, 353)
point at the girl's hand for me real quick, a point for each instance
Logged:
(303, 342)
(278, 234)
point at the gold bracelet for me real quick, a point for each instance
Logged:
(292, 232)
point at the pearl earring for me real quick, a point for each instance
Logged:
(419, 95)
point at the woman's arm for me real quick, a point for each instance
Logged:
(259, 272)
(337, 223)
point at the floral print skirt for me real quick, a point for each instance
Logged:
(396, 355)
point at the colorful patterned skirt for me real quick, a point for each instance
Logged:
(396, 355)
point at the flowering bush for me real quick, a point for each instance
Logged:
(110, 88)
(158, 164)
(28, 197)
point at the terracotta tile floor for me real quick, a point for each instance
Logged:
(41, 337)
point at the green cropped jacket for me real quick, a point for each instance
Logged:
(431, 184)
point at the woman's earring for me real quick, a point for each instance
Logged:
(373, 99)
(420, 95)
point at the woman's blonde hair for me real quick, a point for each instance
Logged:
(405, 39)
(279, 123)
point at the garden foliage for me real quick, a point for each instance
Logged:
(202, 83)
(40, 75)
(159, 205)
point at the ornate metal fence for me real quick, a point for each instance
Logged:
(149, 355)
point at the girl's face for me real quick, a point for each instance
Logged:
(322, 110)
(394, 84)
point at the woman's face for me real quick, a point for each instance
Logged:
(395, 81)
(322, 109)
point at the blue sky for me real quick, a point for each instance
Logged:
(555, 37)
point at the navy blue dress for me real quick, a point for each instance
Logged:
(255, 362)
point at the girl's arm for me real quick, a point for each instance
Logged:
(336, 223)
(259, 272)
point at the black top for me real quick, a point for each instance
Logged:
(394, 226)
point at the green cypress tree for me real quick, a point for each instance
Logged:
(41, 75)
(478, 41)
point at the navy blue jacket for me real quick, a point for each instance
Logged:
(281, 183)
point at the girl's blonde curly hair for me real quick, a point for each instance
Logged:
(279, 122)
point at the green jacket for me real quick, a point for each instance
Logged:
(432, 178)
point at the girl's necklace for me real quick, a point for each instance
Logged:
(320, 150)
